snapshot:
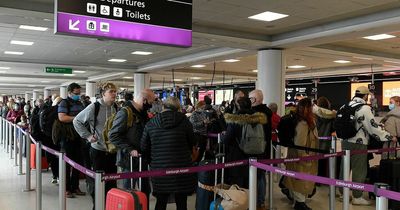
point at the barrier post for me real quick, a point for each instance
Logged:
(332, 175)
(21, 142)
(346, 177)
(270, 181)
(62, 178)
(15, 146)
(39, 175)
(7, 137)
(11, 140)
(252, 185)
(2, 130)
(381, 202)
(99, 193)
(28, 163)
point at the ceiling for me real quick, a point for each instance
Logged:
(316, 33)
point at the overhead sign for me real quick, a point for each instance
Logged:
(293, 93)
(58, 70)
(166, 22)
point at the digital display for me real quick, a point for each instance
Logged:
(390, 89)
(203, 93)
(354, 87)
(223, 95)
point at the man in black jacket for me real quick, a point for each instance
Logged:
(127, 130)
(256, 98)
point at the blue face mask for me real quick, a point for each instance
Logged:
(391, 106)
(75, 97)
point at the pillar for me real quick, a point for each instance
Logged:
(271, 76)
(27, 97)
(63, 92)
(91, 90)
(141, 81)
(35, 95)
(46, 93)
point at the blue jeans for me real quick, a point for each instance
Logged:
(261, 187)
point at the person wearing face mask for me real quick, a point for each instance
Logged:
(14, 114)
(127, 130)
(392, 119)
(71, 143)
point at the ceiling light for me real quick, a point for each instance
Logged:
(44, 81)
(195, 78)
(198, 66)
(33, 28)
(268, 16)
(70, 75)
(2, 72)
(31, 85)
(122, 88)
(128, 77)
(178, 80)
(4, 68)
(231, 60)
(141, 53)
(397, 62)
(117, 60)
(255, 70)
(379, 37)
(363, 58)
(79, 72)
(47, 19)
(13, 53)
(296, 67)
(21, 42)
(342, 61)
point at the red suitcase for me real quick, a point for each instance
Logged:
(45, 164)
(120, 199)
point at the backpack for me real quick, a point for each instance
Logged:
(111, 148)
(287, 130)
(345, 122)
(253, 139)
(47, 115)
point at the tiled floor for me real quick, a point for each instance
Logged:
(12, 197)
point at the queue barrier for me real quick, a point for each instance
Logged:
(267, 165)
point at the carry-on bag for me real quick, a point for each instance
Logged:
(121, 199)
(45, 164)
(389, 172)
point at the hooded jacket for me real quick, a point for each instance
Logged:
(263, 108)
(392, 122)
(167, 143)
(325, 121)
(367, 125)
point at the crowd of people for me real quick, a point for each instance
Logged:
(105, 135)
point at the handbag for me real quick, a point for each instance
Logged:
(234, 198)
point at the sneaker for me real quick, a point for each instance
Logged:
(301, 206)
(68, 194)
(54, 181)
(79, 192)
(361, 202)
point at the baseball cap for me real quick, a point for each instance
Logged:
(362, 90)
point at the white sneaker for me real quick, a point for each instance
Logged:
(361, 201)
(341, 198)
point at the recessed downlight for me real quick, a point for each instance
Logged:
(116, 60)
(178, 80)
(141, 53)
(195, 78)
(268, 16)
(198, 66)
(33, 28)
(342, 61)
(128, 77)
(44, 81)
(254, 71)
(13, 53)
(25, 43)
(231, 60)
(379, 37)
(296, 67)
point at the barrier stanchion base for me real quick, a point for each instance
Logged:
(26, 190)
(20, 173)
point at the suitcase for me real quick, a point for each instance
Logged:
(389, 172)
(120, 199)
(45, 164)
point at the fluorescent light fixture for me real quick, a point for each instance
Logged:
(128, 77)
(141, 53)
(178, 80)
(255, 70)
(195, 78)
(116, 60)
(70, 75)
(363, 58)
(122, 88)
(44, 81)
(13, 53)
(31, 85)
(342, 61)
(47, 19)
(4, 68)
(268, 16)
(33, 28)
(198, 66)
(2, 72)
(21, 42)
(296, 67)
(379, 37)
(231, 60)
(79, 72)
(397, 62)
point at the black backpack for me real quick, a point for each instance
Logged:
(47, 115)
(287, 130)
(345, 122)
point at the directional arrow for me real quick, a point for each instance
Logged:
(72, 25)
(289, 97)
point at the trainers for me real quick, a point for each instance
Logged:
(54, 181)
(68, 194)
(301, 206)
(361, 202)
(79, 192)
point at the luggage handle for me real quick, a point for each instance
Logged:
(140, 170)
(391, 154)
(217, 156)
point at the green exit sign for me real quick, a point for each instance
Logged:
(58, 70)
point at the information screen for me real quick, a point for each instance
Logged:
(390, 89)
(223, 95)
(203, 93)
(354, 87)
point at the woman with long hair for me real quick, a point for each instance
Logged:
(306, 135)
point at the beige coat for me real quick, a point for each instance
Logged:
(306, 138)
(392, 122)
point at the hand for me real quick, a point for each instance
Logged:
(394, 139)
(135, 153)
(92, 138)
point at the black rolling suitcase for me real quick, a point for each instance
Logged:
(389, 172)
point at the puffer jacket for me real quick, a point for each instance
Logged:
(167, 143)
(325, 125)
(367, 125)
(392, 122)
